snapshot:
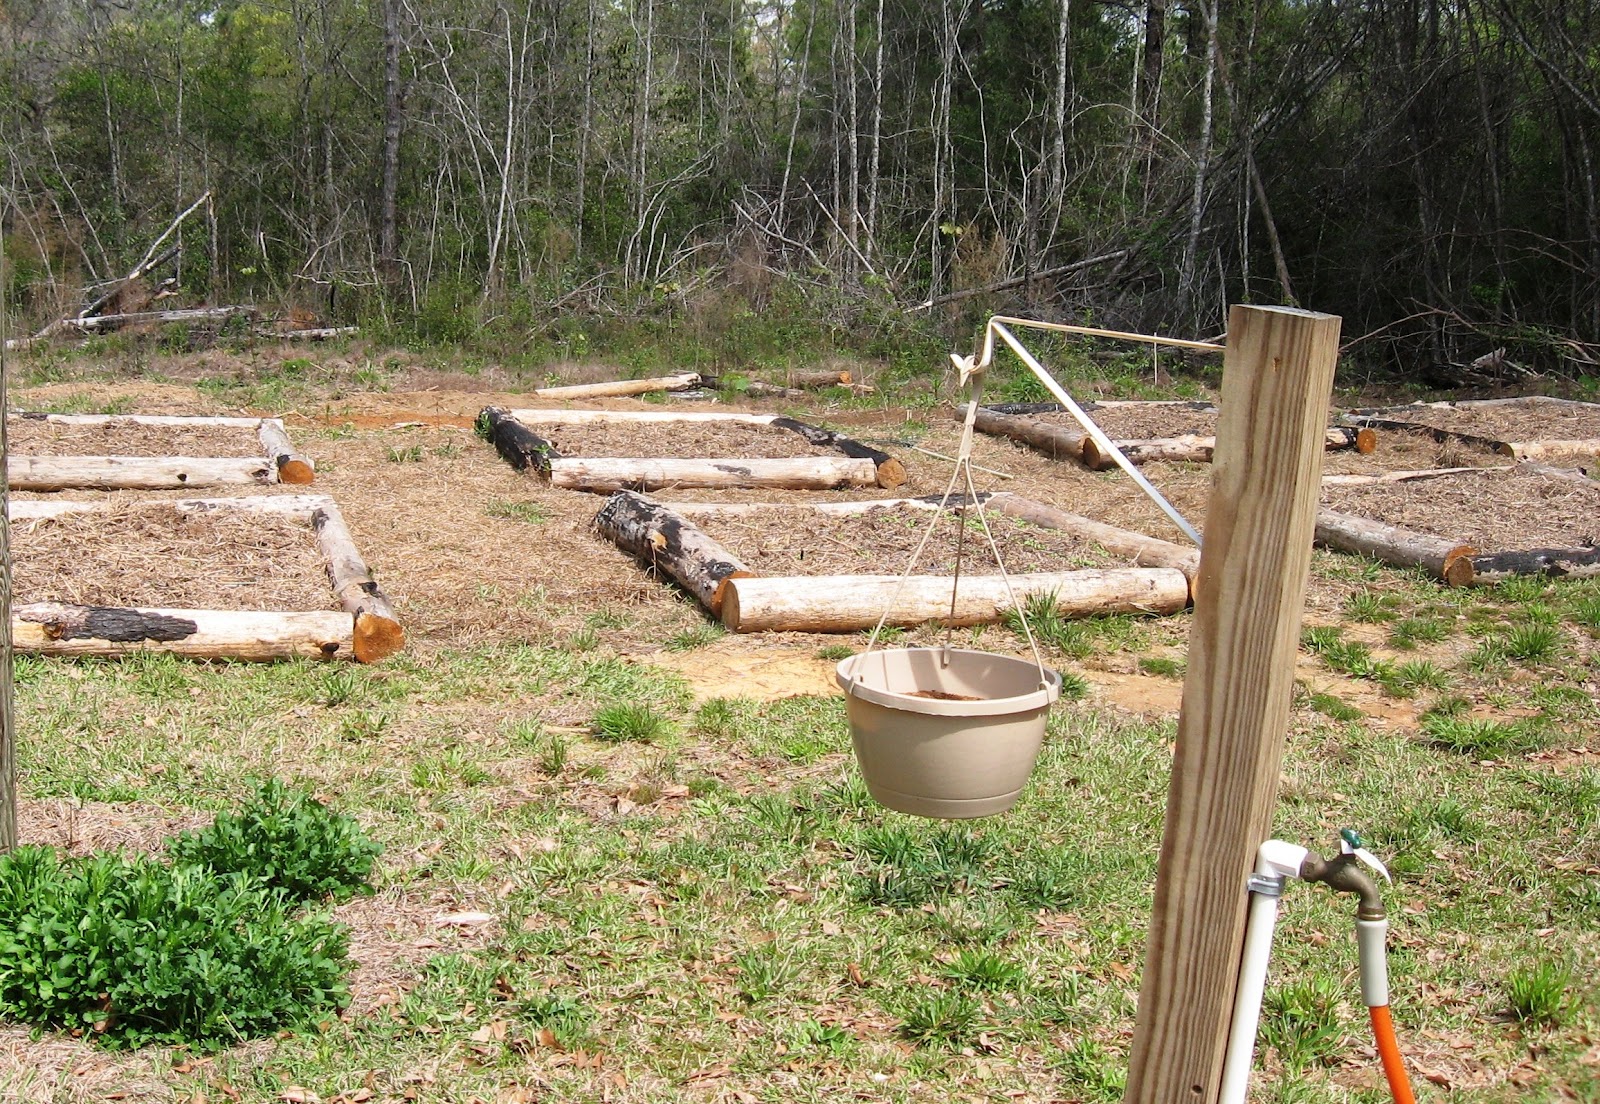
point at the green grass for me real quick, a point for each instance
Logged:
(531, 513)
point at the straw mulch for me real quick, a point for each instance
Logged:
(32, 437)
(148, 554)
(1494, 510)
(680, 440)
(1515, 422)
(791, 540)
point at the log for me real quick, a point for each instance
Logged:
(377, 631)
(751, 388)
(54, 628)
(617, 388)
(818, 379)
(1142, 550)
(848, 603)
(1199, 450)
(315, 333)
(1055, 441)
(1398, 476)
(1540, 450)
(200, 314)
(520, 446)
(292, 467)
(632, 417)
(286, 505)
(890, 472)
(607, 474)
(1564, 563)
(120, 473)
(669, 543)
(1443, 559)
(1440, 435)
(831, 509)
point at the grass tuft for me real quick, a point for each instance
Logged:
(629, 722)
(1540, 995)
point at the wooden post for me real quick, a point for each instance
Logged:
(8, 762)
(1277, 377)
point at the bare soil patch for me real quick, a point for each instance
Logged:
(149, 554)
(1503, 509)
(33, 437)
(680, 440)
(797, 541)
(1531, 421)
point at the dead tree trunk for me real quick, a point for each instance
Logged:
(671, 544)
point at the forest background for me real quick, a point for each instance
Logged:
(548, 172)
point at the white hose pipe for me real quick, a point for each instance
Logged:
(1276, 861)
(1371, 939)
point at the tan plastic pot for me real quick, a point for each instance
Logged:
(945, 757)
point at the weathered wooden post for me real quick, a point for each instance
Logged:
(1277, 376)
(8, 760)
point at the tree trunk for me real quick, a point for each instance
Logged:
(389, 268)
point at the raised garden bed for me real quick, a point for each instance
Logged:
(1532, 428)
(53, 452)
(1143, 431)
(229, 578)
(823, 567)
(1468, 525)
(608, 450)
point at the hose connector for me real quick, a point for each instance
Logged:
(1344, 874)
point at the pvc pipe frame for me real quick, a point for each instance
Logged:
(996, 327)
(1276, 862)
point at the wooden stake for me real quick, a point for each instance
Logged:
(1277, 377)
(847, 603)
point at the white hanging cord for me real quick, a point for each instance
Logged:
(1005, 577)
(997, 326)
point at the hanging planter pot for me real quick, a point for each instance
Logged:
(946, 732)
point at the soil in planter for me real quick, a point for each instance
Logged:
(33, 437)
(152, 555)
(679, 440)
(1501, 510)
(943, 695)
(788, 540)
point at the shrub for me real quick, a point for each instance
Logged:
(289, 841)
(132, 951)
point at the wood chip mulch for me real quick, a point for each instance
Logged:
(679, 440)
(1512, 422)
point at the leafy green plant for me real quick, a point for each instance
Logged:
(1408, 632)
(289, 841)
(1479, 737)
(941, 1017)
(697, 637)
(1164, 666)
(1531, 643)
(1586, 612)
(1330, 705)
(1301, 1021)
(764, 973)
(133, 951)
(1369, 606)
(1404, 679)
(1087, 1063)
(629, 722)
(409, 454)
(983, 970)
(1541, 994)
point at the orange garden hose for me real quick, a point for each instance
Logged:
(1394, 1067)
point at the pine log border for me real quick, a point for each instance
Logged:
(510, 432)
(672, 538)
(372, 632)
(50, 473)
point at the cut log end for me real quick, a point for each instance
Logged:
(718, 595)
(1458, 568)
(891, 474)
(1366, 441)
(377, 637)
(294, 469)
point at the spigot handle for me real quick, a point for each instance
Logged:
(1350, 843)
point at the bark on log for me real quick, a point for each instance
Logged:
(1541, 450)
(1443, 559)
(377, 631)
(831, 509)
(292, 467)
(671, 544)
(1199, 450)
(521, 447)
(1142, 550)
(1055, 441)
(1440, 435)
(848, 603)
(818, 379)
(619, 388)
(201, 314)
(890, 472)
(119, 473)
(1566, 563)
(607, 474)
(751, 388)
(54, 628)
(315, 333)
